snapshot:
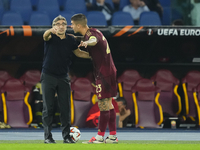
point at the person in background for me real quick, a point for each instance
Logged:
(182, 10)
(123, 112)
(178, 22)
(89, 4)
(154, 5)
(92, 119)
(105, 8)
(195, 12)
(116, 4)
(72, 76)
(37, 97)
(135, 9)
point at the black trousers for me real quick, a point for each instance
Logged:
(61, 86)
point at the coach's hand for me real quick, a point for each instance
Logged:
(53, 30)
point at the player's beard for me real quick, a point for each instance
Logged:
(61, 32)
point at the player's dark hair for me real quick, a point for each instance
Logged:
(80, 19)
(122, 99)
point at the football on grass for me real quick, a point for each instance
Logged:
(75, 134)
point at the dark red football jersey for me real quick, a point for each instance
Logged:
(100, 53)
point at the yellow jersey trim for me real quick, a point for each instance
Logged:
(92, 37)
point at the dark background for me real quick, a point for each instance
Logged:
(146, 54)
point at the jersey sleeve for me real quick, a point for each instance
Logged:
(94, 35)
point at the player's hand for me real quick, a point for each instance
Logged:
(84, 44)
(123, 110)
(128, 112)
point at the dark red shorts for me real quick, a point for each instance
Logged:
(106, 87)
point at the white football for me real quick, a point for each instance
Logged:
(75, 134)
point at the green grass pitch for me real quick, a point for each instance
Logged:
(122, 145)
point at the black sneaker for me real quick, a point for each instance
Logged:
(50, 141)
(68, 140)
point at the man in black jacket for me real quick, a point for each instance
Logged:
(58, 50)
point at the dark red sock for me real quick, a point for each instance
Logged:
(103, 121)
(112, 122)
